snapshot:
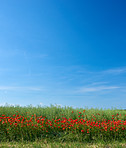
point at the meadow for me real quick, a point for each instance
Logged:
(57, 124)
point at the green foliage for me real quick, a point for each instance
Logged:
(53, 112)
(33, 115)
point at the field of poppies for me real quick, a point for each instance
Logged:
(57, 123)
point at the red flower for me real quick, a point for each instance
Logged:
(87, 130)
(38, 121)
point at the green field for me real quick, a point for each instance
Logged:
(45, 144)
(61, 127)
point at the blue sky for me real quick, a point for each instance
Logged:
(65, 52)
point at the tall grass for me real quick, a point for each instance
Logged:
(56, 123)
(58, 112)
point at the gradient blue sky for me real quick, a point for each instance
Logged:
(63, 52)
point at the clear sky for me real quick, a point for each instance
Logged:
(65, 52)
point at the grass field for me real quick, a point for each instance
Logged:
(45, 144)
(56, 126)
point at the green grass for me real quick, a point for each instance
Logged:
(57, 138)
(46, 144)
(57, 111)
